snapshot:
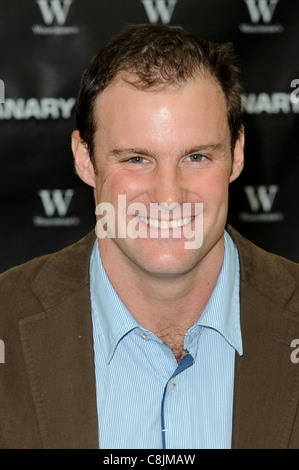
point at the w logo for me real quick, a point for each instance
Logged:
(56, 200)
(261, 9)
(261, 197)
(51, 9)
(156, 9)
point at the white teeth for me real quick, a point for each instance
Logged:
(165, 223)
(143, 219)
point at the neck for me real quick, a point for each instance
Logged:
(164, 303)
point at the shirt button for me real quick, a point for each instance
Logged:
(143, 335)
(173, 384)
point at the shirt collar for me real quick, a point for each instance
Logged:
(112, 320)
(222, 312)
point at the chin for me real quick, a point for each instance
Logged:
(166, 266)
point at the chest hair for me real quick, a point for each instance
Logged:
(173, 337)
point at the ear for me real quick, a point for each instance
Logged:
(83, 163)
(238, 157)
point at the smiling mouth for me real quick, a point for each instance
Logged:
(166, 224)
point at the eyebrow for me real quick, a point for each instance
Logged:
(119, 152)
(217, 147)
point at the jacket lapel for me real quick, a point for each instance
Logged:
(266, 380)
(58, 350)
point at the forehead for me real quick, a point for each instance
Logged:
(169, 113)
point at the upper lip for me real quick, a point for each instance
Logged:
(167, 219)
(163, 215)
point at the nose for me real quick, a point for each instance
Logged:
(168, 187)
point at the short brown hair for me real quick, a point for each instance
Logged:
(157, 55)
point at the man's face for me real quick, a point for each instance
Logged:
(171, 147)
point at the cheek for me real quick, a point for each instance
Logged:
(213, 187)
(121, 183)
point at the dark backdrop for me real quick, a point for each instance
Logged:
(45, 45)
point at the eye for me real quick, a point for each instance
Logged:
(137, 160)
(196, 157)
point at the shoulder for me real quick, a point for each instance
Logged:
(255, 257)
(268, 274)
(43, 281)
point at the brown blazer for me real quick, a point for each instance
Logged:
(47, 383)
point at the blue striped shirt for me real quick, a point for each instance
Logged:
(145, 399)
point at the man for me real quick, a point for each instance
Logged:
(135, 339)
